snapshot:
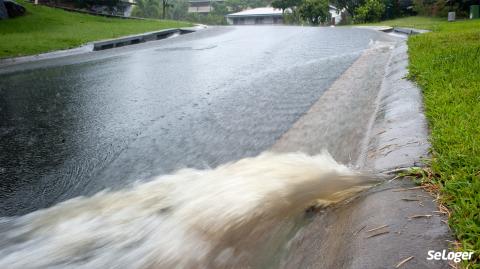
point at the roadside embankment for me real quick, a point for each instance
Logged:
(45, 29)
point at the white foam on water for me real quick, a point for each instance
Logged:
(218, 218)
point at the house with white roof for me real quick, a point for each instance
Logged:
(269, 15)
(261, 15)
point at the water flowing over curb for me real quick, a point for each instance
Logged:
(398, 136)
(377, 230)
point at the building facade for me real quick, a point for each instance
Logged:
(336, 15)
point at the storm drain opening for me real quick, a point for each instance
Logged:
(165, 35)
(104, 47)
(120, 42)
(135, 41)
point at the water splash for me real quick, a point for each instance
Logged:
(219, 218)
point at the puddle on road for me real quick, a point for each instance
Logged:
(187, 48)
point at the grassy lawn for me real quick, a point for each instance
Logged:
(446, 65)
(418, 22)
(45, 29)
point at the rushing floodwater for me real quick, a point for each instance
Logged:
(234, 216)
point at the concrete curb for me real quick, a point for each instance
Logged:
(345, 236)
(386, 29)
(389, 29)
(141, 38)
(409, 31)
(377, 28)
(399, 131)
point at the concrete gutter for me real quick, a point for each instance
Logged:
(141, 38)
(409, 31)
(399, 131)
(395, 220)
(398, 138)
(376, 28)
(389, 29)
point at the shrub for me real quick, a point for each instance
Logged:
(315, 11)
(371, 11)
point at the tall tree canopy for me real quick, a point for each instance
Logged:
(285, 4)
(179, 10)
(3, 11)
(371, 11)
(349, 5)
(147, 9)
(315, 11)
(165, 5)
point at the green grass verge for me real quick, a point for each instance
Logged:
(45, 29)
(418, 22)
(446, 65)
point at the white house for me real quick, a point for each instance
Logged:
(269, 15)
(336, 14)
(261, 15)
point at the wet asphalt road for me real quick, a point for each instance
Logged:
(80, 124)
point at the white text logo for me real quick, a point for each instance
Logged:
(449, 256)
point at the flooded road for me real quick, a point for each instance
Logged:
(91, 146)
(78, 125)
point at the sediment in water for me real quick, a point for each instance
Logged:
(232, 216)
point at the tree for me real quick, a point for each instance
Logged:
(349, 5)
(219, 8)
(109, 4)
(236, 5)
(315, 11)
(442, 7)
(179, 10)
(165, 6)
(392, 9)
(371, 11)
(146, 9)
(3, 11)
(285, 4)
(281, 4)
(259, 3)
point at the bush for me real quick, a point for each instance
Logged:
(147, 9)
(90, 3)
(440, 8)
(315, 11)
(210, 19)
(371, 11)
